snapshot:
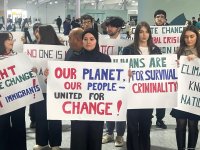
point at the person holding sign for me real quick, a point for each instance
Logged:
(114, 26)
(160, 20)
(139, 120)
(32, 112)
(47, 131)
(12, 125)
(189, 46)
(87, 135)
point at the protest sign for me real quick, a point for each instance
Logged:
(19, 86)
(18, 42)
(40, 54)
(113, 46)
(189, 85)
(153, 83)
(90, 91)
(167, 38)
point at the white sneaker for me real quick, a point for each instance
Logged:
(55, 148)
(119, 141)
(38, 147)
(107, 138)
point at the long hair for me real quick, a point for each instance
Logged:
(182, 40)
(3, 37)
(137, 38)
(48, 35)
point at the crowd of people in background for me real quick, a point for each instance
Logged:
(69, 24)
(88, 135)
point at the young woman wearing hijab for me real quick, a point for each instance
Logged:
(189, 46)
(87, 135)
(139, 120)
(47, 131)
(12, 125)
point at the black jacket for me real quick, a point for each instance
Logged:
(129, 50)
(91, 56)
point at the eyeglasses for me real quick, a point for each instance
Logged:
(160, 16)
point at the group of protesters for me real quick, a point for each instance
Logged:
(88, 135)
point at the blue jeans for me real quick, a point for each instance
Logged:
(120, 127)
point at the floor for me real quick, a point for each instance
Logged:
(161, 139)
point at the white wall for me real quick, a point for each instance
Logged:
(15, 4)
(173, 8)
(46, 12)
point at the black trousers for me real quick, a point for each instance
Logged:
(59, 28)
(32, 112)
(138, 129)
(47, 131)
(160, 113)
(86, 135)
(27, 35)
(13, 130)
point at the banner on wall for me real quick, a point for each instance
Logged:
(40, 54)
(153, 83)
(189, 85)
(167, 38)
(19, 86)
(91, 91)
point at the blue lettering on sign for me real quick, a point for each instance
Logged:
(102, 74)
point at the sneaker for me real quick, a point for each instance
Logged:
(119, 141)
(55, 148)
(32, 125)
(161, 124)
(107, 138)
(38, 147)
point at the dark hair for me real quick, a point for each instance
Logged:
(157, 12)
(95, 34)
(182, 40)
(136, 36)
(48, 35)
(36, 26)
(115, 22)
(3, 37)
(85, 17)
